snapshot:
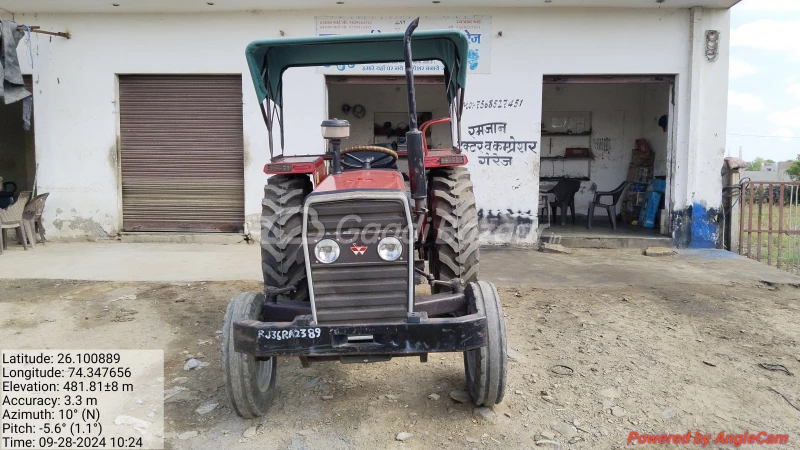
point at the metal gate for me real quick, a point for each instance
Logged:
(770, 223)
(181, 153)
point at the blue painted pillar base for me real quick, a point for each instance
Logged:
(697, 227)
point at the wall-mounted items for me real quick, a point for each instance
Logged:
(663, 122)
(578, 152)
(566, 123)
(359, 111)
(392, 127)
(712, 45)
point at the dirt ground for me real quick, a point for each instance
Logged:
(665, 359)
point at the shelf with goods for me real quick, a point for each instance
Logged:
(566, 146)
(557, 164)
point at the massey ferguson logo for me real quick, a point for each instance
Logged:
(358, 249)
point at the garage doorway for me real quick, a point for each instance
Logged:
(181, 153)
(377, 109)
(17, 150)
(599, 132)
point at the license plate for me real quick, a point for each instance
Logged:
(293, 333)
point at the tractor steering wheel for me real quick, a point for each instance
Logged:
(389, 157)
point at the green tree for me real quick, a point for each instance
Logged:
(794, 170)
(755, 165)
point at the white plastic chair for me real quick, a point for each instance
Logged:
(11, 217)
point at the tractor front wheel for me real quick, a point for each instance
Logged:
(454, 233)
(249, 382)
(486, 366)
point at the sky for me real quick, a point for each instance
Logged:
(764, 90)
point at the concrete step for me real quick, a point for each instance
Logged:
(181, 238)
(611, 242)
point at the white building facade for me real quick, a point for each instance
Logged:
(539, 61)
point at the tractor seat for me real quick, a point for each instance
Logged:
(350, 164)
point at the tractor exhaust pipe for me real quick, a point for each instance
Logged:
(416, 154)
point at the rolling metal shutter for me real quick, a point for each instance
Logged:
(181, 153)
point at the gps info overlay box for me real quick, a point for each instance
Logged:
(82, 399)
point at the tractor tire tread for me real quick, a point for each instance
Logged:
(282, 256)
(455, 225)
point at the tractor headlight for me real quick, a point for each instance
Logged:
(390, 249)
(326, 251)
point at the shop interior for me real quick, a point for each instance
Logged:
(377, 109)
(605, 135)
(17, 152)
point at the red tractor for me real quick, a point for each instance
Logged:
(345, 236)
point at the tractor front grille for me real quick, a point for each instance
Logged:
(357, 293)
(359, 287)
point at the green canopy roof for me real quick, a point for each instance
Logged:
(269, 58)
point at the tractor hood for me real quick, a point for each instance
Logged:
(268, 59)
(379, 179)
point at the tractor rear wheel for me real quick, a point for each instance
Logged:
(485, 367)
(249, 382)
(454, 233)
(282, 257)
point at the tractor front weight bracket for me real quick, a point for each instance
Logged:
(271, 293)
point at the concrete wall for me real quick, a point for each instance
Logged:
(777, 176)
(77, 121)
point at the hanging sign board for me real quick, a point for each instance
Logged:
(478, 29)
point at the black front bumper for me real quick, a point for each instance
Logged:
(415, 335)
